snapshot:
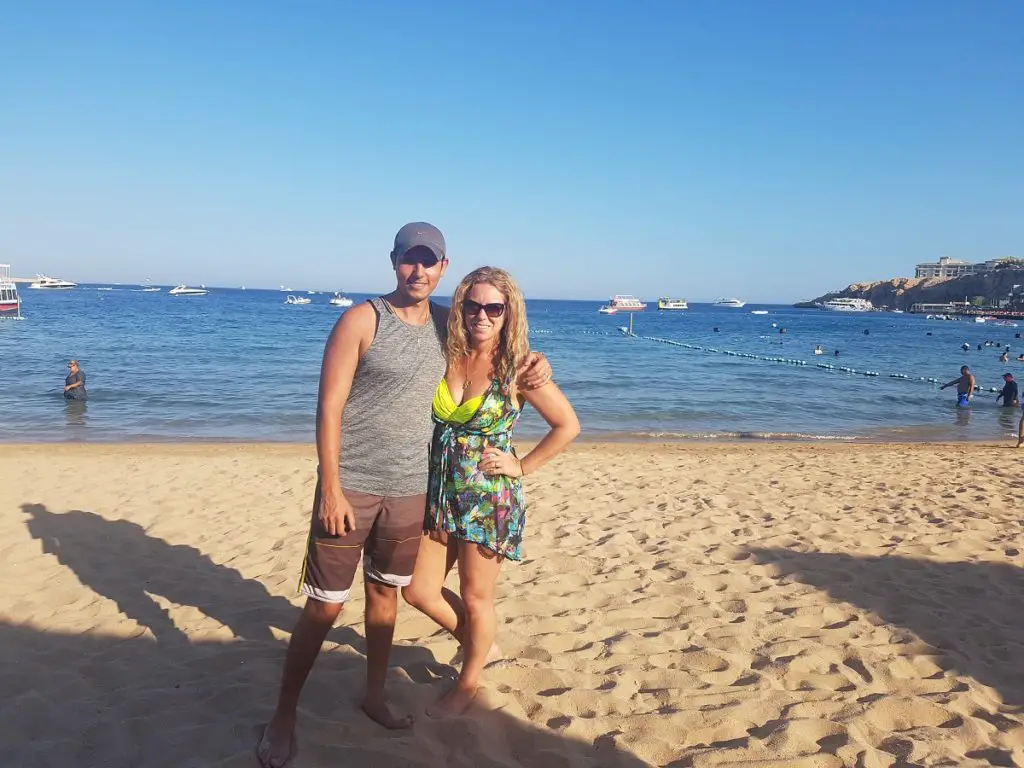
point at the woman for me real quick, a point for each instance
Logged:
(475, 507)
(74, 384)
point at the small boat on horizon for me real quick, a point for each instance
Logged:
(759, 311)
(184, 290)
(622, 302)
(339, 299)
(732, 303)
(665, 303)
(293, 299)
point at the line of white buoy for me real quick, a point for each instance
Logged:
(769, 359)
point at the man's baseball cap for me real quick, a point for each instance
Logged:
(419, 233)
(1007, 375)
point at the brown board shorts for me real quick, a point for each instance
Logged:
(387, 536)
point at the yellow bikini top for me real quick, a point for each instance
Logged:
(446, 409)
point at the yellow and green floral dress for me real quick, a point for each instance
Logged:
(461, 500)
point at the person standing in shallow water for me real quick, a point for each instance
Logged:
(476, 511)
(964, 386)
(74, 384)
(380, 369)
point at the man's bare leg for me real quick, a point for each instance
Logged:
(381, 613)
(316, 621)
(1020, 430)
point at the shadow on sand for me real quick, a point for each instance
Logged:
(101, 701)
(971, 613)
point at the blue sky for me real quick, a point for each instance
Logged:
(769, 150)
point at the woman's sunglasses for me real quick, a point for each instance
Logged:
(472, 308)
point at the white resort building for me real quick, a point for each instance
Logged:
(949, 267)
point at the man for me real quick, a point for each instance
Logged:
(964, 387)
(74, 384)
(1009, 395)
(381, 365)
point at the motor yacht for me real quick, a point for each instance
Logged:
(52, 283)
(184, 290)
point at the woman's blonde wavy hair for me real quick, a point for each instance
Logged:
(513, 345)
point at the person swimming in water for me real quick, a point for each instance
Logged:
(74, 384)
(964, 387)
(1005, 357)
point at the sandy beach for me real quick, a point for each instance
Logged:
(782, 605)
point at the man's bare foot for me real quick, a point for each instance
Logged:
(277, 747)
(378, 710)
(1020, 441)
(453, 703)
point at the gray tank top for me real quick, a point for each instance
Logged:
(386, 426)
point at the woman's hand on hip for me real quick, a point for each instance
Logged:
(496, 462)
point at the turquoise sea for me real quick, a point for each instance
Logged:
(243, 365)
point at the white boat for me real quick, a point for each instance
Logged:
(52, 283)
(184, 290)
(733, 303)
(622, 303)
(667, 303)
(292, 299)
(284, 290)
(149, 288)
(340, 300)
(847, 305)
(759, 311)
(10, 301)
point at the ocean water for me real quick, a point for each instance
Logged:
(242, 365)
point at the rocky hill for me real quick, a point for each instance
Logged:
(988, 288)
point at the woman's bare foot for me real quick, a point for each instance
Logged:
(378, 710)
(453, 703)
(277, 746)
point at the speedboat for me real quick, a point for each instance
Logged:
(733, 303)
(340, 300)
(184, 290)
(667, 303)
(10, 301)
(284, 290)
(759, 311)
(292, 299)
(52, 283)
(848, 305)
(149, 288)
(622, 303)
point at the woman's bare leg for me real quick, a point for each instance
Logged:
(426, 591)
(478, 573)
